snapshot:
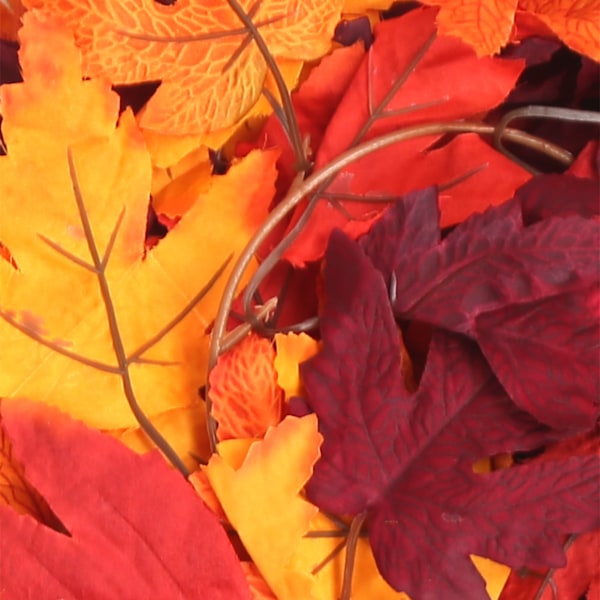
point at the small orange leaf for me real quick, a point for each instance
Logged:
(262, 503)
(198, 50)
(483, 24)
(246, 399)
(259, 588)
(575, 22)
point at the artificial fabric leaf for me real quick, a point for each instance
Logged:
(52, 303)
(199, 52)
(577, 24)
(483, 24)
(267, 485)
(292, 349)
(246, 399)
(526, 294)
(406, 459)
(136, 528)
(167, 149)
(410, 76)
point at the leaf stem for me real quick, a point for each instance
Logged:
(539, 112)
(113, 325)
(351, 546)
(302, 164)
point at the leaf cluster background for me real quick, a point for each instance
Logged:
(335, 343)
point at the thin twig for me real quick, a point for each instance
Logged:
(118, 346)
(351, 546)
(539, 112)
(302, 164)
(548, 579)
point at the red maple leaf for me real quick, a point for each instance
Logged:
(528, 294)
(136, 528)
(409, 76)
(407, 459)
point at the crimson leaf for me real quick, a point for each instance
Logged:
(540, 282)
(137, 529)
(407, 458)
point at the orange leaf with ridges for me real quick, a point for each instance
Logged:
(575, 22)
(483, 24)
(246, 399)
(268, 484)
(197, 49)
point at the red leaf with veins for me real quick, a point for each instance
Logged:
(528, 295)
(137, 529)
(411, 76)
(407, 459)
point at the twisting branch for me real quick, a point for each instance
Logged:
(352, 543)
(540, 112)
(291, 124)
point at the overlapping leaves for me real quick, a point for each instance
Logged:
(406, 459)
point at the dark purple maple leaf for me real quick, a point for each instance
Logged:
(406, 459)
(493, 263)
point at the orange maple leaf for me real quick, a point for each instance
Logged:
(200, 51)
(87, 314)
(486, 25)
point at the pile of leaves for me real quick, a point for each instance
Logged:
(340, 342)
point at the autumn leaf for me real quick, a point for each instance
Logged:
(292, 349)
(406, 459)
(246, 399)
(267, 484)
(201, 53)
(128, 518)
(503, 284)
(54, 306)
(410, 76)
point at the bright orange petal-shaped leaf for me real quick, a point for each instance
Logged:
(52, 306)
(575, 22)
(246, 399)
(198, 50)
(483, 24)
(292, 349)
(262, 503)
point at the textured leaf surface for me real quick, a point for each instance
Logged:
(267, 484)
(483, 24)
(246, 399)
(411, 76)
(197, 49)
(407, 459)
(527, 294)
(128, 517)
(53, 297)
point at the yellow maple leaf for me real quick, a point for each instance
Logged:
(90, 261)
(292, 349)
(200, 51)
(261, 500)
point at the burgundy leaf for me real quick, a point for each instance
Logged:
(545, 354)
(407, 458)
